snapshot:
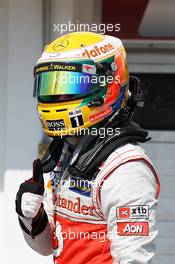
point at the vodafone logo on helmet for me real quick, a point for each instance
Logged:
(98, 50)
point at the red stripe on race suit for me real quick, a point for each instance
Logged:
(79, 218)
(82, 242)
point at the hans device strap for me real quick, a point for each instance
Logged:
(88, 162)
(52, 155)
(93, 154)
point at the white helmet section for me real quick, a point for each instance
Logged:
(106, 47)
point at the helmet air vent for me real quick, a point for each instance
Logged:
(46, 111)
(61, 110)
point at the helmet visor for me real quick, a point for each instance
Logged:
(57, 86)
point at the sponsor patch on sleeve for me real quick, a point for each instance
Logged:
(133, 228)
(133, 212)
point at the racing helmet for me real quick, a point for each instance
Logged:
(80, 79)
